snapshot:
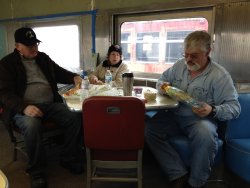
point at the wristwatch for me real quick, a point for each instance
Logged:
(213, 112)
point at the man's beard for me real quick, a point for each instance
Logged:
(194, 67)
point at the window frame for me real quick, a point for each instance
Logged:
(61, 21)
(118, 19)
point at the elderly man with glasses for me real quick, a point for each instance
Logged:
(211, 85)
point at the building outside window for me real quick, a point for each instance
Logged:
(126, 45)
(147, 47)
(174, 45)
(154, 46)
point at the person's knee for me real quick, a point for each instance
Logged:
(30, 125)
(149, 132)
(33, 128)
(205, 133)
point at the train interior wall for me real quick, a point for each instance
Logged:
(231, 33)
(231, 49)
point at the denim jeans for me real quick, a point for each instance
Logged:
(203, 138)
(32, 129)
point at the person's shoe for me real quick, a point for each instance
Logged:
(75, 167)
(181, 182)
(38, 181)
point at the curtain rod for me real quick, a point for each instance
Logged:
(93, 12)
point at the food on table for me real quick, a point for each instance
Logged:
(72, 91)
(99, 90)
(149, 95)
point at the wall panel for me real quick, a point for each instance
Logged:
(235, 40)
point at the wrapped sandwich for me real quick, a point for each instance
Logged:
(71, 92)
(181, 96)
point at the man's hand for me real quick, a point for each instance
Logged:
(78, 81)
(163, 86)
(33, 111)
(203, 111)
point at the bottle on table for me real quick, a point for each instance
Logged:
(108, 79)
(83, 74)
(85, 83)
(84, 88)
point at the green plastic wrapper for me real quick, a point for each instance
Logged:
(181, 96)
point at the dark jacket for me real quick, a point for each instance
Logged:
(13, 81)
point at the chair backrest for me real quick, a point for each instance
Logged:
(8, 125)
(113, 124)
(240, 127)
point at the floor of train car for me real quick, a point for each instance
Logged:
(58, 177)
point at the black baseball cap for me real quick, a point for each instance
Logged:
(26, 36)
(115, 48)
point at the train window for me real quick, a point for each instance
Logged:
(147, 47)
(63, 50)
(174, 45)
(153, 46)
(153, 42)
(125, 40)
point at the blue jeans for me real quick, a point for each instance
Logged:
(32, 130)
(202, 134)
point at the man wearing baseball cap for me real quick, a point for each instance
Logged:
(26, 36)
(28, 91)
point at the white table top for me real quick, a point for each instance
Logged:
(161, 102)
(3, 180)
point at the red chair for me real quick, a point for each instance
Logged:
(114, 138)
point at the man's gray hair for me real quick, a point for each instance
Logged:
(200, 39)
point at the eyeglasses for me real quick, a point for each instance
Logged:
(33, 45)
(193, 55)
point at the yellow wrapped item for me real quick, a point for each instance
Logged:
(181, 96)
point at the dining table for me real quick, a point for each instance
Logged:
(162, 101)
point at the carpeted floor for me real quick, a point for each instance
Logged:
(58, 177)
